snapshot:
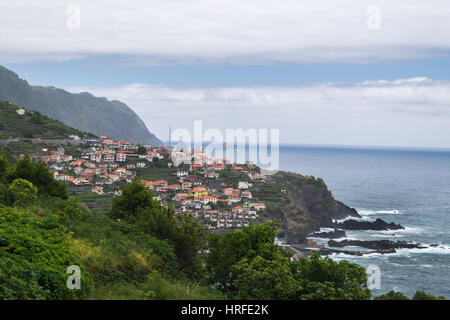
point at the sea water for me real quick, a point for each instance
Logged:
(410, 187)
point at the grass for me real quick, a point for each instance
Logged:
(31, 125)
(99, 203)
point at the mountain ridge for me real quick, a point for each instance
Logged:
(83, 110)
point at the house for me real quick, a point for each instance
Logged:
(62, 177)
(182, 173)
(97, 190)
(199, 191)
(108, 157)
(124, 145)
(206, 199)
(196, 166)
(113, 177)
(238, 209)
(180, 196)
(186, 185)
(66, 157)
(122, 171)
(236, 193)
(212, 175)
(246, 194)
(259, 206)
(78, 170)
(218, 167)
(90, 165)
(96, 157)
(228, 191)
(121, 156)
(106, 140)
(162, 183)
(140, 164)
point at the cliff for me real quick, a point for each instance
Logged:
(303, 205)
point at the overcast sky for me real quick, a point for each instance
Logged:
(323, 72)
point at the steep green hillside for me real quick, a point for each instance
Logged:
(301, 203)
(32, 125)
(82, 111)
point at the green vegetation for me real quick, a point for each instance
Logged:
(419, 295)
(34, 255)
(246, 264)
(39, 176)
(136, 206)
(31, 125)
(23, 192)
(231, 177)
(99, 203)
(154, 171)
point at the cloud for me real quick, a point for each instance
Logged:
(224, 31)
(404, 112)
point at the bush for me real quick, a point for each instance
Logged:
(34, 256)
(23, 192)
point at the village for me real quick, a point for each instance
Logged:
(193, 187)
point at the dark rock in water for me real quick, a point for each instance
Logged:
(330, 235)
(378, 224)
(375, 244)
(434, 245)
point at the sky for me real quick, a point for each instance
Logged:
(349, 72)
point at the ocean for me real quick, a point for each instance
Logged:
(410, 187)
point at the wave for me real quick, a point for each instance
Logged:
(440, 249)
(350, 218)
(379, 212)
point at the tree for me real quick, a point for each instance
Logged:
(6, 196)
(39, 176)
(137, 206)
(392, 295)
(264, 279)
(422, 295)
(141, 150)
(190, 239)
(229, 249)
(3, 167)
(23, 192)
(324, 278)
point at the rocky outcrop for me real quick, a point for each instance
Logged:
(378, 224)
(304, 207)
(335, 234)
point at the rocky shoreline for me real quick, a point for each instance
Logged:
(373, 246)
(377, 225)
